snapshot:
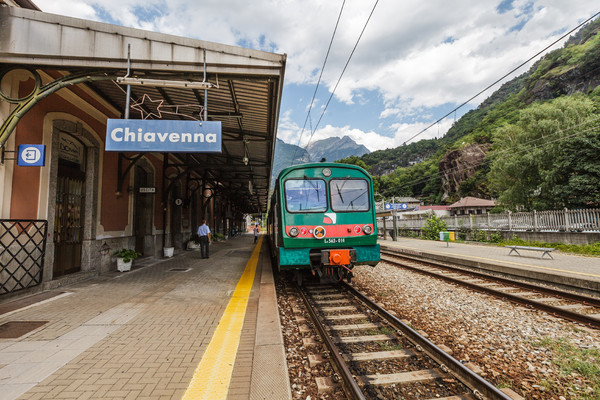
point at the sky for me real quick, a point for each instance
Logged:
(415, 61)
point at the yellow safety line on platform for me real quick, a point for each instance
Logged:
(213, 375)
(507, 262)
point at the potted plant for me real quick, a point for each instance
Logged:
(194, 242)
(168, 251)
(125, 258)
(217, 237)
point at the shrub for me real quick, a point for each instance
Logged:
(217, 236)
(433, 226)
(496, 237)
(479, 235)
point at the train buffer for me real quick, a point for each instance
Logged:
(544, 250)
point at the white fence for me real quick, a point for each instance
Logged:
(538, 221)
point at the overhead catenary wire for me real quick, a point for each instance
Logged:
(471, 167)
(342, 74)
(319, 80)
(512, 150)
(503, 77)
(497, 153)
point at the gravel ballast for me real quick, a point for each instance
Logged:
(513, 346)
(506, 341)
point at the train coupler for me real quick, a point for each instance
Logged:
(338, 257)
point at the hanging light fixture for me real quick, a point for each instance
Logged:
(245, 158)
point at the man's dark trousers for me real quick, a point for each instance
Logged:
(204, 246)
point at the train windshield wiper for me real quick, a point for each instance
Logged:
(340, 192)
(356, 198)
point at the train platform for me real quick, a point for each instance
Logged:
(176, 328)
(568, 271)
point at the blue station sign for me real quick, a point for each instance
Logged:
(31, 155)
(163, 136)
(396, 206)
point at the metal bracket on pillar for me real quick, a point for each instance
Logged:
(122, 174)
(192, 186)
(3, 156)
(175, 179)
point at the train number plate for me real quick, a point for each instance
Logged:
(335, 240)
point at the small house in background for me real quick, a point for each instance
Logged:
(471, 205)
(411, 202)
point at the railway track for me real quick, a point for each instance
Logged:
(378, 356)
(571, 306)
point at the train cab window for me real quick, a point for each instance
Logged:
(349, 194)
(305, 195)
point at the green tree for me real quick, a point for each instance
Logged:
(548, 156)
(354, 160)
(433, 226)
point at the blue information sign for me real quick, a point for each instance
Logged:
(31, 155)
(396, 206)
(163, 136)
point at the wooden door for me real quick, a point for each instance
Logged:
(69, 220)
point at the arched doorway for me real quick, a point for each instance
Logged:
(69, 216)
(71, 185)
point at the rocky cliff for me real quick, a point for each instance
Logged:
(458, 166)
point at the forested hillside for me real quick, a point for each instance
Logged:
(533, 144)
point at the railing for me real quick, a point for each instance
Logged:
(22, 251)
(550, 221)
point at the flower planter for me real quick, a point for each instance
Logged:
(123, 266)
(191, 245)
(168, 251)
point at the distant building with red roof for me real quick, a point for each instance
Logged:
(435, 208)
(471, 205)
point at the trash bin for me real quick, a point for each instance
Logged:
(444, 236)
(451, 236)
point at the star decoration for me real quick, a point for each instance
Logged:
(145, 104)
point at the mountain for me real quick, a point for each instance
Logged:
(554, 96)
(334, 148)
(286, 155)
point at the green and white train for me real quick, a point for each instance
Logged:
(322, 220)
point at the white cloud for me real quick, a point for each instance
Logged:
(414, 54)
(289, 132)
(69, 8)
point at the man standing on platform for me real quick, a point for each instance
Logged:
(255, 232)
(204, 233)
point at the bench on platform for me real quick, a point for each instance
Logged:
(544, 250)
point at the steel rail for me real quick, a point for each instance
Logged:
(553, 310)
(352, 389)
(476, 383)
(468, 270)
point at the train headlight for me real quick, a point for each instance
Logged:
(293, 232)
(367, 229)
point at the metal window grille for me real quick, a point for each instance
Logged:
(22, 253)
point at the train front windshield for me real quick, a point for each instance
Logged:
(349, 195)
(305, 195)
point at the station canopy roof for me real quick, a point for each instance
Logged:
(244, 87)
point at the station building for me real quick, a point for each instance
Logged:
(62, 80)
